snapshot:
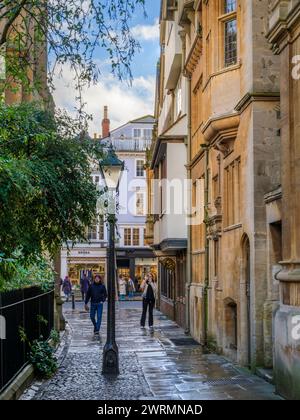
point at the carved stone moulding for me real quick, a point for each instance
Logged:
(169, 263)
(221, 132)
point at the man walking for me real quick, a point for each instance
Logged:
(97, 294)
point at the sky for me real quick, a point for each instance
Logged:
(124, 102)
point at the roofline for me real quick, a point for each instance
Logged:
(141, 118)
(131, 122)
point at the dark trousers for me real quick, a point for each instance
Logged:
(146, 304)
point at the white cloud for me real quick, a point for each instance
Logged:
(146, 32)
(125, 103)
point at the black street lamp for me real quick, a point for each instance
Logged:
(111, 168)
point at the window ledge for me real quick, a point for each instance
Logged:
(227, 16)
(233, 227)
(222, 71)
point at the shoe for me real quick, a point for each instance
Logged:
(151, 328)
(96, 332)
(142, 328)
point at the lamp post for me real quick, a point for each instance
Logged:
(111, 168)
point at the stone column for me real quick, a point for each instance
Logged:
(284, 35)
(59, 320)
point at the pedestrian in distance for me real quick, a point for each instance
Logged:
(122, 287)
(136, 284)
(131, 288)
(84, 286)
(149, 290)
(67, 288)
(97, 294)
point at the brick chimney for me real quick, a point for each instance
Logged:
(105, 124)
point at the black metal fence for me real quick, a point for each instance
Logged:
(26, 308)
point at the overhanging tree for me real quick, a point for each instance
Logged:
(73, 31)
(47, 196)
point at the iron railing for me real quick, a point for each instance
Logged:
(26, 308)
(131, 145)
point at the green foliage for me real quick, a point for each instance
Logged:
(15, 273)
(47, 196)
(22, 334)
(55, 337)
(211, 345)
(41, 354)
(42, 320)
(42, 358)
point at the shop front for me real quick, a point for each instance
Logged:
(77, 262)
(136, 264)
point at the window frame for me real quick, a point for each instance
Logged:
(133, 134)
(151, 133)
(136, 168)
(224, 19)
(142, 194)
(127, 229)
(138, 242)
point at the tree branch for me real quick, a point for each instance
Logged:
(10, 21)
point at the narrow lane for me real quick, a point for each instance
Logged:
(163, 365)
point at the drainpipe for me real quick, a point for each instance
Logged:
(206, 220)
(189, 227)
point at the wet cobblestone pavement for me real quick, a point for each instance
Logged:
(162, 365)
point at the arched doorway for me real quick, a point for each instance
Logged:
(231, 328)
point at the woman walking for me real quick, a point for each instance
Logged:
(67, 288)
(122, 287)
(131, 288)
(149, 290)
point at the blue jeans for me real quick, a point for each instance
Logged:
(96, 308)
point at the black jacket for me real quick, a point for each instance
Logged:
(97, 293)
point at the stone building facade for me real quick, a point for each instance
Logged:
(236, 114)
(234, 149)
(166, 223)
(239, 72)
(284, 36)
